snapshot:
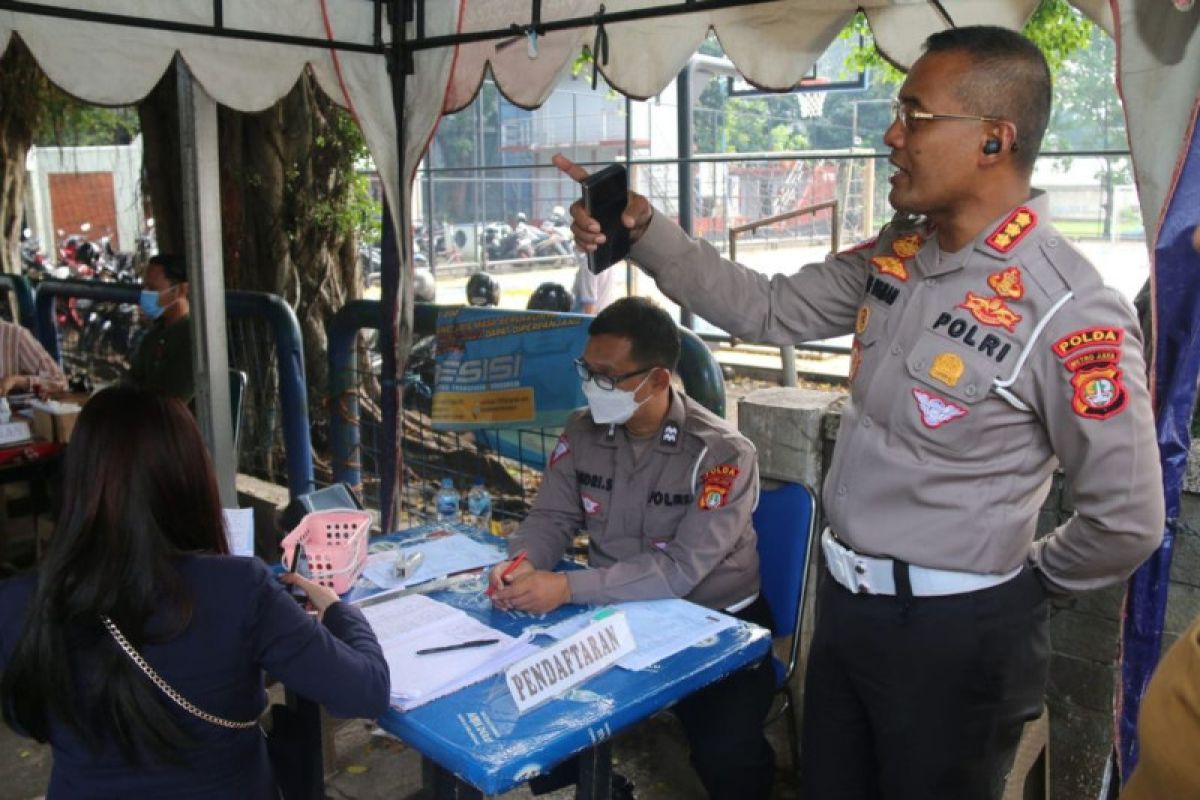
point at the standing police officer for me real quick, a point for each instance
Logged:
(664, 489)
(986, 352)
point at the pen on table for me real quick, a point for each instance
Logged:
(507, 571)
(428, 651)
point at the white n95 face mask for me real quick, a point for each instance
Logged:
(614, 407)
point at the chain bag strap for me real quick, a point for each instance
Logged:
(165, 687)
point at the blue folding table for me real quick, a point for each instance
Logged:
(474, 742)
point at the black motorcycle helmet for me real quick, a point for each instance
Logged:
(550, 296)
(87, 253)
(483, 290)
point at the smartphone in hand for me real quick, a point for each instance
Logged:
(605, 195)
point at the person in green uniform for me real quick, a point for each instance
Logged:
(163, 361)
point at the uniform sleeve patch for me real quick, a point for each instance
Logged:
(560, 450)
(1010, 232)
(1088, 338)
(716, 485)
(935, 411)
(1007, 283)
(855, 360)
(1099, 392)
(863, 318)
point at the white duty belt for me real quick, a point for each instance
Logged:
(873, 575)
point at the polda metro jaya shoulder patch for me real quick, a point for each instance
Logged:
(716, 485)
(1087, 338)
(1099, 392)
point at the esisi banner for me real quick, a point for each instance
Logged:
(506, 369)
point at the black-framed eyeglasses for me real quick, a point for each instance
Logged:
(605, 382)
(903, 113)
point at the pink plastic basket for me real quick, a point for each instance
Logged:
(335, 546)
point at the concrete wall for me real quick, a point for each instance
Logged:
(795, 429)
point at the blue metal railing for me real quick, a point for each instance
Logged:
(426, 452)
(276, 403)
(23, 292)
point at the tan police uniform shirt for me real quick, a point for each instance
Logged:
(972, 375)
(673, 523)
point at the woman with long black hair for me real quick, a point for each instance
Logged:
(138, 571)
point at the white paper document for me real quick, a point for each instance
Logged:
(443, 556)
(661, 628)
(415, 622)
(239, 525)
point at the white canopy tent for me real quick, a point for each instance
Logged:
(246, 55)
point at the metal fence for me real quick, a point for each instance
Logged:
(508, 460)
(91, 328)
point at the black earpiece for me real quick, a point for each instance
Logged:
(991, 147)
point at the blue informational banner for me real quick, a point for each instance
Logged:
(506, 369)
(1176, 369)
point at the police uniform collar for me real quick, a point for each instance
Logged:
(670, 435)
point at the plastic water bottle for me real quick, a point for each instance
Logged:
(479, 507)
(446, 501)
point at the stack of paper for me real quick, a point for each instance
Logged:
(661, 628)
(414, 622)
(443, 555)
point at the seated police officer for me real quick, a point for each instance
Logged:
(664, 490)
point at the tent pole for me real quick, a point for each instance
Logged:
(683, 95)
(206, 274)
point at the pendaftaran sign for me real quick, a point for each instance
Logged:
(570, 661)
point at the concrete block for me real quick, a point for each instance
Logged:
(785, 425)
(1080, 741)
(1185, 562)
(1084, 636)
(1104, 603)
(1183, 606)
(1083, 683)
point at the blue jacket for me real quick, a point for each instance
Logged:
(243, 622)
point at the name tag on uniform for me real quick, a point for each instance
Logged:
(569, 662)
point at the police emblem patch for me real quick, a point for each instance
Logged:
(936, 412)
(855, 359)
(590, 504)
(1010, 232)
(991, 311)
(947, 368)
(670, 433)
(715, 486)
(890, 265)
(860, 322)
(1099, 392)
(1007, 283)
(908, 245)
(560, 449)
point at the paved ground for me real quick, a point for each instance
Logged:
(374, 766)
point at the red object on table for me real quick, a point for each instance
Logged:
(30, 451)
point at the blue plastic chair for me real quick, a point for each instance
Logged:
(785, 521)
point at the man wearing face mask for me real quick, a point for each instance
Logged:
(664, 490)
(163, 361)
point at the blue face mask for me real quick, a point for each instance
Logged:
(149, 304)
